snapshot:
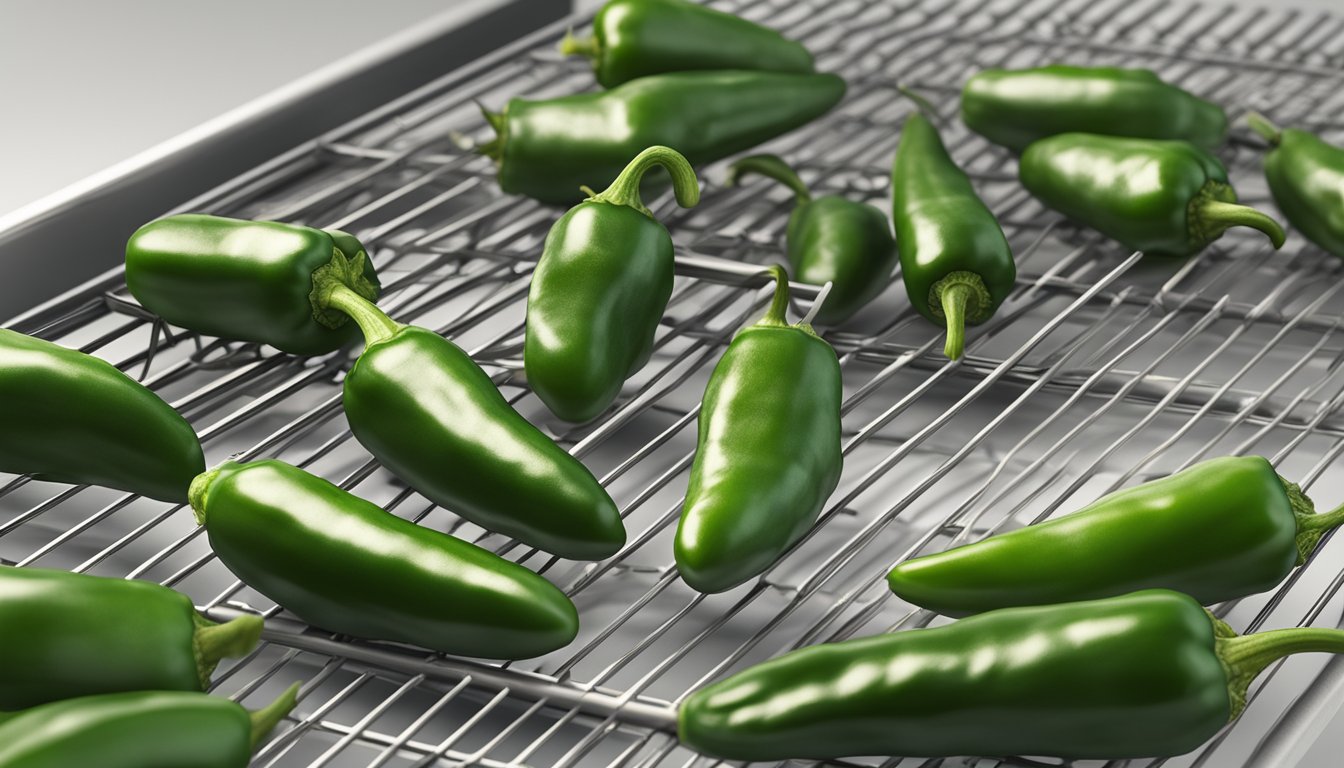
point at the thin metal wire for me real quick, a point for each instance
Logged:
(1102, 369)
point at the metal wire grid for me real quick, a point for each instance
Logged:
(1103, 369)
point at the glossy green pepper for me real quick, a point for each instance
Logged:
(768, 454)
(73, 418)
(157, 729)
(346, 565)
(636, 38)
(955, 261)
(549, 149)
(247, 280)
(599, 291)
(1149, 674)
(1161, 197)
(1222, 529)
(830, 240)
(1015, 107)
(424, 409)
(1306, 178)
(84, 635)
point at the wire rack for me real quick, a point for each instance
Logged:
(1103, 369)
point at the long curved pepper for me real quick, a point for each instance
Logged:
(830, 239)
(768, 450)
(1306, 178)
(956, 263)
(600, 289)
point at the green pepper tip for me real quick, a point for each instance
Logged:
(961, 299)
(265, 720)
(373, 323)
(573, 46)
(1213, 217)
(230, 640)
(196, 493)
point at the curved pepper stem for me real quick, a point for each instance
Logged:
(1262, 125)
(229, 640)
(777, 314)
(1216, 216)
(625, 189)
(494, 148)
(375, 325)
(1244, 657)
(771, 167)
(342, 270)
(265, 719)
(960, 298)
(573, 46)
(924, 106)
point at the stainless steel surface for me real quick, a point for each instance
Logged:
(1104, 369)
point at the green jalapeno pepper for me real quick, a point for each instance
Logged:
(549, 149)
(247, 280)
(1306, 178)
(423, 408)
(346, 565)
(955, 261)
(156, 729)
(113, 635)
(1160, 197)
(768, 454)
(830, 240)
(636, 38)
(1016, 107)
(599, 291)
(70, 417)
(1149, 674)
(1222, 529)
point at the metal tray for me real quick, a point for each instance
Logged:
(1104, 369)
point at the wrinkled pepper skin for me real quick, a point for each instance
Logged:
(1167, 198)
(157, 729)
(246, 280)
(1014, 108)
(637, 38)
(74, 418)
(599, 292)
(830, 240)
(428, 412)
(549, 149)
(955, 261)
(1306, 178)
(346, 565)
(768, 453)
(1222, 529)
(1148, 674)
(85, 635)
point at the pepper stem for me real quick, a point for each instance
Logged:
(375, 325)
(265, 719)
(925, 106)
(494, 148)
(625, 189)
(1261, 125)
(1244, 657)
(961, 299)
(200, 485)
(771, 167)
(340, 271)
(1216, 217)
(777, 314)
(573, 46)
(229, 640)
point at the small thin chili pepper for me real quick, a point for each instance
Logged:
(346, 565)
(830, 240)
(248, 280)
(637, 38)
(140, 730)
(955, 261)
(114, 635)
(428, 412)
(73, 418)
(1149, 674)
(768, 454)
(599, 291)
(1161, 197)
(1306, 178)
(549, 149)
(1222, 529)
(1014, 107)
